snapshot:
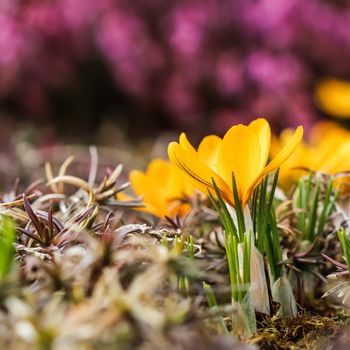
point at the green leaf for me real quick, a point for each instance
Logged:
(345, 244)
(221, 208)
(328, 206)
(246, 258)
(7, 249)
(213, 304)
(313, 214)
(239, 210)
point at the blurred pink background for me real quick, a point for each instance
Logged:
(68, 67)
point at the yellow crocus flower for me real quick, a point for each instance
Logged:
(333, 97)
(161, 189)
(243, 151)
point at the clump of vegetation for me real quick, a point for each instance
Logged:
(237, 264)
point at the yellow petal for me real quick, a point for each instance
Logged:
(156, 211)
(295, 166)
(161, 189)
(279, 159)
(196, 171)
(184, 143)
(240, 153)
(167, 176)
(333, 97)
(326, 130)
(175, 208)
(262, 129)
(177, 186)
(208, 149)
(150, 191)
(337, 160)
(159, 170)
(286, 151)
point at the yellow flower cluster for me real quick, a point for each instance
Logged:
(327, 151)
(243, 151)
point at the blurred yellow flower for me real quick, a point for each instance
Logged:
(243, 151)
(161, 188)
(293, 167)
(333, 97)
(327, 151)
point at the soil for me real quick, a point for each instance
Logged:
(309, 330)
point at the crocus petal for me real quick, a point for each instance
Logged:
(159, 170)
(196, 171)
(161, 188)
(287, 150)
(328, 153)
(167, 176)
(326, 130)
(276, 162)
(295, 166)
(177, 186)
(156, 211)
(239, 154)
(337, 160)
(149, 190)
(333, 97)
(184, 143)
(262, 130)
(175, 208)
(208, 149)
